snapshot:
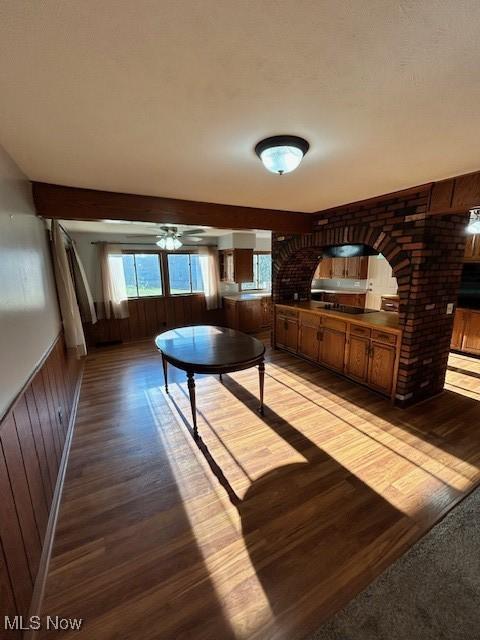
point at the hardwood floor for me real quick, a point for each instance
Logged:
(316, 498)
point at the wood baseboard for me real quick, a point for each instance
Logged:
(39, 588)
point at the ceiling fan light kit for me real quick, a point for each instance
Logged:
(282, 154)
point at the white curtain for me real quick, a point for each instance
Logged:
(84, 294)
(72, 323)
(114, 288)
(210, 276)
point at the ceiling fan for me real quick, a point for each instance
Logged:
(169, 237)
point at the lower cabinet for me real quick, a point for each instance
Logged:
(308, 336)
(248, 315)
(357, 358)
(466, 331)
(332, 348)
(381, 367)
(286, 332)
(366, 354)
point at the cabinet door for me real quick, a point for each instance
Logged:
(471, 338)
(243, 265)
(458, 330)
(231, 319)
(228, 266)
(357, 358)
(332, 348)
(308, 336)
(286, 333)
(266, 312)
(249, 315)
(381, 367)
(338, 268)
(324, 269)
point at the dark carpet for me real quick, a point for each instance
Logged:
(431, 593)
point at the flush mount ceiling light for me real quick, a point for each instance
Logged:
(281, 154)
(474, 224)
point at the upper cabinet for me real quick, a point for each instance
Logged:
(338, 268)
(236, 265)
(472, 248)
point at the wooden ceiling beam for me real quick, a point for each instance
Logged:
(72, 203)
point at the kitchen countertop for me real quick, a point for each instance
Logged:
(385, 319)
(339, 291)
(245, 295)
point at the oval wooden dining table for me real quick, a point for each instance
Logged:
(210, 350)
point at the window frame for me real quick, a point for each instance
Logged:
(160, 262)
(167, 272)
(164, 272)
(255, 253)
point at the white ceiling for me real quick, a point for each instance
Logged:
(169, 97)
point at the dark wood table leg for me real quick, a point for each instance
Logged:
(191, 393)
(221, 378)
(165, 367)
(261, 378)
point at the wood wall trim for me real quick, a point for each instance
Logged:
(33, 439)
(28, 382)
(454, 195)
(72, 203)
(39, 586)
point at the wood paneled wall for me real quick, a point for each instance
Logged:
(32, 438)
(151, 316)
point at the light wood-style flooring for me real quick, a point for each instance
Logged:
(274, 525)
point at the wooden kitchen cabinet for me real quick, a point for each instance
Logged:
(267, 311)
(324, 269)
(458, 329)
(466, 331)
(308, 336)
(287, 333)
(236, 265)
(248, 315)
(332, 348)
(471, 337)
(381, 367)
(365, 353)
(231, 317)
(356, 268)
(358, 357)
(340, 268)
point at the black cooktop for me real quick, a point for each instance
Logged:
(344, 308)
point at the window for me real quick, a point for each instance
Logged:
(185, 273)
(262, 272)
(143, 275)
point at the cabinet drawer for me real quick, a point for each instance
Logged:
(382, 336)
(357, 330)
(286, 312)
(310, 319)
(333, 323)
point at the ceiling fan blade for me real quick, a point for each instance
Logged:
(192, 232)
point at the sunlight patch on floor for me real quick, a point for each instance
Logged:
(229, 566)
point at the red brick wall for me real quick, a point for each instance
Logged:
(426, 254)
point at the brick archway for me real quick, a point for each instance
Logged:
(296, 258)
(425, 254)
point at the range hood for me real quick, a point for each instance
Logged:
(348, 251)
